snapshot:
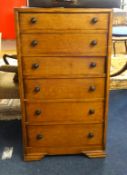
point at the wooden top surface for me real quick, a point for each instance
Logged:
(62, 9)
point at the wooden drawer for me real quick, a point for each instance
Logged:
(64, 88)
(92, 44)
(65, 21)
(44, 66)
(65, 135)
(65, 112)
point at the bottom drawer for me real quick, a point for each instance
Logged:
(65, 135)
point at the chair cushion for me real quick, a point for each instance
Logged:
(8, 89)
(77, 3)
(120, 31)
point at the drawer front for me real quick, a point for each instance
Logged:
(65, 135)
(65, 111)
(64, 88)
(64, 44)
(65, 21)
(35, 66)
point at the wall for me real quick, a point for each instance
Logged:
(7, 26)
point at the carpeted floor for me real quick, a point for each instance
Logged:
(114, 164)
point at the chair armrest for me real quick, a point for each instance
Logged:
(8, 68)
(124, 68)
(5, 56)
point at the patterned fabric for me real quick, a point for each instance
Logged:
(8, 81)
(10, 109)
(118, 82)
(8, 88)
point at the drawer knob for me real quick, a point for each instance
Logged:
(35, 66)
(94, 43)
(91, 111)
(92, 88)
(34, 43)
(37, 89)
(33, 20)
(94, 20)
(38, 112)
(93, 64)
(39, 136)
(90, 135)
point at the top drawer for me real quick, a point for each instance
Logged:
(65, 21)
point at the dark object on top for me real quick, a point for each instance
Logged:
(75, 3)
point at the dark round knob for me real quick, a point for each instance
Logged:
(39, 136)
(94, 43)
(35, 66)
(90, 135)
(93, 64)
(33, 20)
(37, 89)
(92, 88)
(91, 111)
(38, 112)
(34, 43)
(94, 20)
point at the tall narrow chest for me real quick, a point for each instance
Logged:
(64, 62)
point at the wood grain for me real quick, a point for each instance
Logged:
(63, 66)
(64, 88)
(64, 135)
(64, 44)
(89, 112)
(64, 21)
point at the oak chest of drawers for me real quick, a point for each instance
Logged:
(64, 61)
